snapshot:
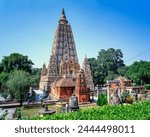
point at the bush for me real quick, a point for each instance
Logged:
(147, 86)
(130, 99)
(137, 111)
(102, 100)
(17, 114)
(124, 96)
(4, 95)
(127, 98)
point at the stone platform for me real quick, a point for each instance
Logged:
(48, 112)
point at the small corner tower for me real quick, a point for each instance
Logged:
(81, 90)
(88, 76)
(44, 70)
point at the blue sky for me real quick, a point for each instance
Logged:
(28, 27)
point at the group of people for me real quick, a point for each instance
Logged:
(31, 97)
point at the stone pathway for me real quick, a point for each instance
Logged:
(1, 98)
(12, 105)
(2, 113)
(7, 113)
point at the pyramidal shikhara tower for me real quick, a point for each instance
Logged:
(63, 59)
(88, 75)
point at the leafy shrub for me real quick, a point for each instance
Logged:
(4, 95)
(17, 114)
(102, 100)
(127, 98)
(124, 96)
(130, 99)
(147, 86)
(136, 111)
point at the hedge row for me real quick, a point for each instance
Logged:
(137, 111)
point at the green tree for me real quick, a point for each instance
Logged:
(110, 76)
(122, 70)
(1, 68)
(139, 72)
(18, 85)
(3, 79)
(35, 77)
(110, 60)
(94, 70)
(4, 95)
(16, 61)
(108, 65)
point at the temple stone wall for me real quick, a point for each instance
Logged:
(117, 87)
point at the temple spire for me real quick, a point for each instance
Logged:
(85, 56)
(63, 19)
(44, 70)
(63, 59)
(63, 13)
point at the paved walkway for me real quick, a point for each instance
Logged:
(7, 113)
(1, 98)
(13, 105)
(7, 110)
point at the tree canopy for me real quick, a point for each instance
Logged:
(16, 61)
(35, 77)
(3, 79)
(139, 72)
(18, 84)
(107, 65)
(110, 59)
(94, 70)
(17, 75)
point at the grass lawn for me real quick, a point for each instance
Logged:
(31, 112)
